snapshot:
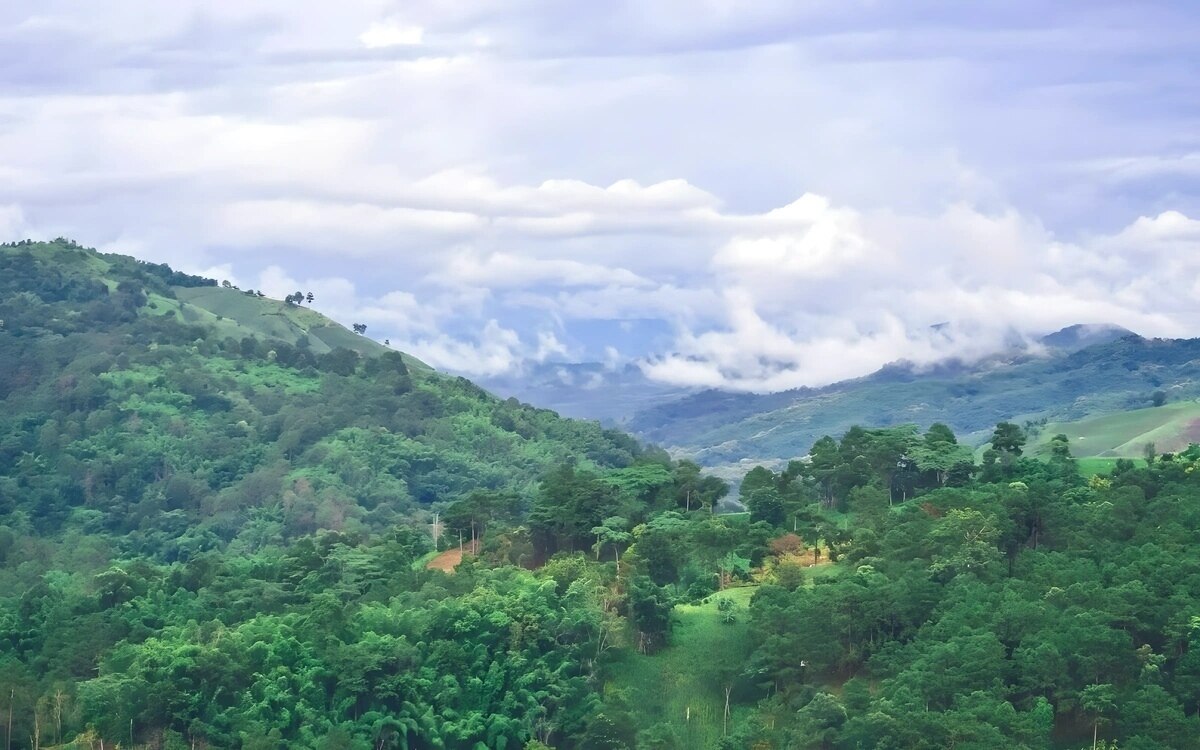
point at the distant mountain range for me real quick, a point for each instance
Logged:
(587, 390)
(1078, 372)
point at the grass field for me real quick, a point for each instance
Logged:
(236, 314)
(1090, 466)
(1125, 434)
(683, 684)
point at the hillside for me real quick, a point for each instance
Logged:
(201, 476)
(109, 348)
(214, 509)
(1061, 385)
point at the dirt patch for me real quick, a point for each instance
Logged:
(1192, 433)
(447, 561)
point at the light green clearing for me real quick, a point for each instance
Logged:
(1125, 434)
(690, 673)
(237, 314)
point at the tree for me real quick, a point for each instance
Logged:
(1008, 438)
(820, 721)
(569, 504)
(940, 433)
(473, 513)
(614, 531)
(1099, 701)
(766, 505)
(824, 460)
(1060, 446)
(942, 459)
(889, 451)
(965, 542)
(309, 298)
(1158, 398)
(359, 328)
(756, 479)
(650, 612)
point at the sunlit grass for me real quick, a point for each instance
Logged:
(683, 684)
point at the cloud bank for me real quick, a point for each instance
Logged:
(754, 198)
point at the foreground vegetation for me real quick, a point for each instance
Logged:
(209, 541)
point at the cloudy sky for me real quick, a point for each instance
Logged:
(754, 195)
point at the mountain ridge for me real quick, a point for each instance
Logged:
(1063, 384)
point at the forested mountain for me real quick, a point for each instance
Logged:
(119, 388)
(194, 504)
(1084, 372)
(213, 540)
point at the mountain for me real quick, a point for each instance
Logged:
(1084, 372)
(585, 390)
(214, 527)
(1081, 336)
(145, 394)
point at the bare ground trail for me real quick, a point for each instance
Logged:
(447, 561)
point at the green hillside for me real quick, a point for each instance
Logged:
(213, 505)
(1169, 428)
(717, 428)
(211, 374)
(234, 313)
(683, 687)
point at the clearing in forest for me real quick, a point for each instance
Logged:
(447, 561)
(683, 685)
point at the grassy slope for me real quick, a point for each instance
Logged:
(687, 674)
(1124, 435)
(234, 313)
(228, 311)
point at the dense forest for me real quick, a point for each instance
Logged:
(219, 542)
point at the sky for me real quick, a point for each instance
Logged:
(750, 195)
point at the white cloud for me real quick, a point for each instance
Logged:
(501, 270)
(494, 351)
(391, 33)
(12, 223)
(787, 193)
(549, 346)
